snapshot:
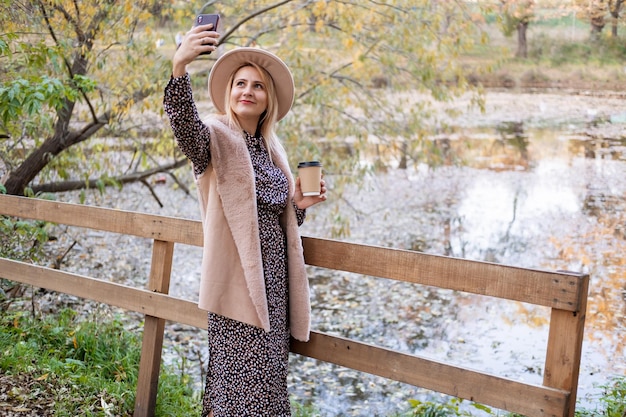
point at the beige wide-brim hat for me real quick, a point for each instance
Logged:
(234, 59)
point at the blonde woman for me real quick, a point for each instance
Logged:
(253, 282)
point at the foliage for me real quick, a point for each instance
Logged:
(433, 409)
(64, 80)
(26, 98)
(361, 70)
(78, 102)
(22, 240)
(89, 368)
(594, 11)
(612, 403)
(373, 78)
(515, 12)
(299, 410)
(598, 12)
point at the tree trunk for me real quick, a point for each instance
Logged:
(615, 12)
(522, 44)
(403, 164)
(597, 24)
(27, 171)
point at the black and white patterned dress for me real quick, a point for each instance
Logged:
(247, 369)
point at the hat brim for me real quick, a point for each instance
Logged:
(235, 59)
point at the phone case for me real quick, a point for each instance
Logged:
(205, 19)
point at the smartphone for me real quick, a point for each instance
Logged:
(205, 19)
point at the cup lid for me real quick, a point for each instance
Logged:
(309, 164)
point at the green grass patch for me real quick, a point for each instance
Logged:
(612, 403)
(82, 367)
(557, 52)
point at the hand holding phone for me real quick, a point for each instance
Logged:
(205, 19)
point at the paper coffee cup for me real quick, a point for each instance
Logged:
(310, 174)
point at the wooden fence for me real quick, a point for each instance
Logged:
(565, 293)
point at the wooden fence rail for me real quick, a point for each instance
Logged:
(565, 293)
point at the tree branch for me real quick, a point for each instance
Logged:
(252, 16)
(57, 187)
(156, 197)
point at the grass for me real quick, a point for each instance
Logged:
(613, 400)
(82, 367)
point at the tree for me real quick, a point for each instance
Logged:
(83, 78)
(517, 16)
(615, 8)
(595, 11)
(70, 70)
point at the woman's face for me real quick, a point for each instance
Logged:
(248, 96)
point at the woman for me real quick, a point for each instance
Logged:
(253, 282)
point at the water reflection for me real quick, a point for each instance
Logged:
(524, 197)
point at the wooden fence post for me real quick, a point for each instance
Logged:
(564, 350)
(154, 327)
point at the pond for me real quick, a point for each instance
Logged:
(537, 198)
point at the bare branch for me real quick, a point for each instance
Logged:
(57, 187)
(252, 16)
(205, 5)
(59, 258)
(78, 58)
(156, 197)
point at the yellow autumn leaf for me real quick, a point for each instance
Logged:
(319, 8)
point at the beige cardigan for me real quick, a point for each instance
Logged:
(232, 280)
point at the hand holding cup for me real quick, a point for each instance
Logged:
(310, 187)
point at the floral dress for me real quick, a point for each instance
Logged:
(247, 369)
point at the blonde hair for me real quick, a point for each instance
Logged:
(267, 123)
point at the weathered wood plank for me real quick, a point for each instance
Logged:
(564, 352)
(118, 295)
(552, 289)
(154, 327)
(109, 220)
(560, 290)
(506, 394)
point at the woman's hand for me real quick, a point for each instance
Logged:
(199, 39)
(303, 202)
